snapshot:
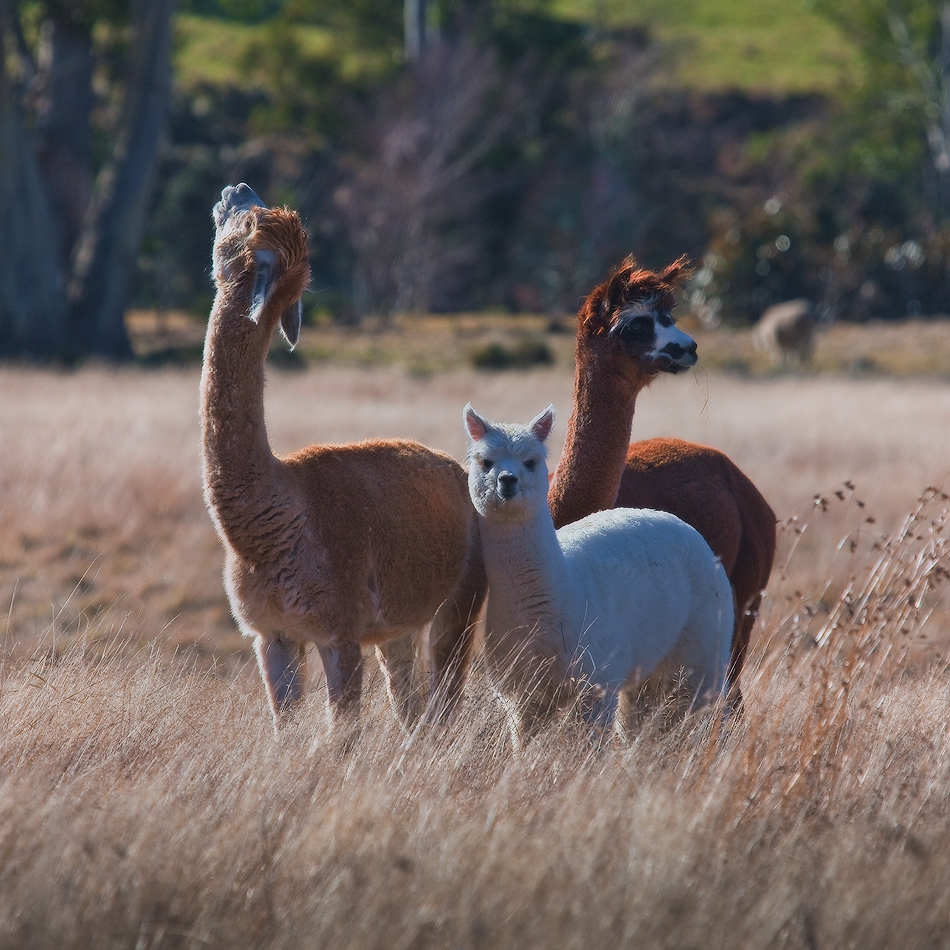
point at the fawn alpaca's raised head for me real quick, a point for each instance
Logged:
(262, 253)
(630, 316)
(508, 474)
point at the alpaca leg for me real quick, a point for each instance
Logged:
(745, 621)
(640, 704)
(343, 666)
(697, 689)
(283, 668)
(688, 694)
(602, 712)
(625, 717)
(397, 660)
(524, 723)
(450, 648)
(452, 634)
(527, 716)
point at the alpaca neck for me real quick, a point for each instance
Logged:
(588, 473)
(238, 462)
(528, 582)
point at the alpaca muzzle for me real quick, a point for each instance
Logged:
(234, 200)
(675, 357)
(507, 485)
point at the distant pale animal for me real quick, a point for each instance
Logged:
(786, 331)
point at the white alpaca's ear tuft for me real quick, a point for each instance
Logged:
(542, 423)
(290, 322)
(476, 426)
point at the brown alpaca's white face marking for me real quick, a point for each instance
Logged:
(649, 334)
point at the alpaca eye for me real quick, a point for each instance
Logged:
(638, 330)
(530, 464)
(487, 464)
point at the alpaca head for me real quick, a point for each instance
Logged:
(262, 253)
(627, 322)
(508, 474)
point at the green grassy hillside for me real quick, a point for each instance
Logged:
(209, 49)
(766, 45)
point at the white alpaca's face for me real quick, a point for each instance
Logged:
(508, 473)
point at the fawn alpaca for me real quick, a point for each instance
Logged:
(787, 331)
(340, 546)
(621, 600)
(625, 338)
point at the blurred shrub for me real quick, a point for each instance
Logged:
(818, 217)
(865, 272)
(523, 353)
(174, 265)
(851, 209)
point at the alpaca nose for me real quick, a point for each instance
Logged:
(507, 485)
(242, 196)
(677, 352)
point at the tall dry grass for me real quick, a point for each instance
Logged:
(146, 804)
(144, 801)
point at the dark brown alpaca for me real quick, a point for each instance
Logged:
(625, 338)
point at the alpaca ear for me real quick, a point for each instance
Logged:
(290, 321)
(477, 427)
(595, 313)
(618, 288)
(676, 272)
(265, 276)
(541, 424)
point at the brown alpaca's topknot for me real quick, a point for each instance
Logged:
(281, 231)
(629, 283)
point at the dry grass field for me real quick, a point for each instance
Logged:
(144, 801)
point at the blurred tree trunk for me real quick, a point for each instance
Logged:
(64, 112)
(32, 305)
(415, 29)
(64, 291)
(105, 252)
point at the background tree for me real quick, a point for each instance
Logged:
(901, 108)
(850, 207)
(74, 205)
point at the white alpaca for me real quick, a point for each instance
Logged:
(620, 601)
